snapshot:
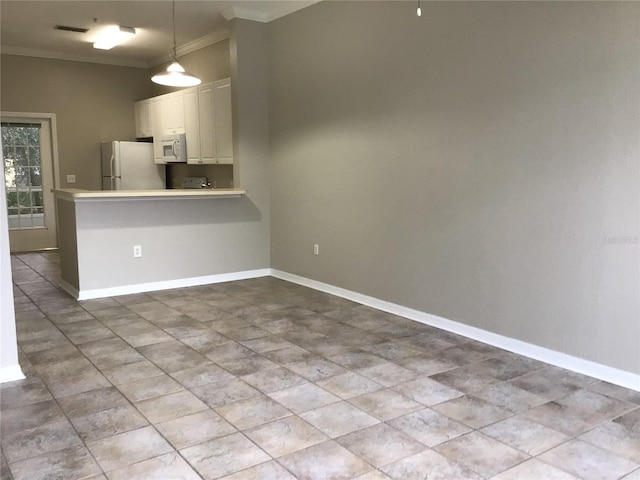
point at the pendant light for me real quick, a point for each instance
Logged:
(175, 75)
(419, 10)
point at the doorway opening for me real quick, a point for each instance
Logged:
(28, 157)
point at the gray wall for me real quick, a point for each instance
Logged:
(249, 79)
(9, 367)
(92, 103)
(68, 242)
(479, 163)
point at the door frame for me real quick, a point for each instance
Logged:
(50, 118)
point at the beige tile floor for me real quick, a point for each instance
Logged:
(262, 379)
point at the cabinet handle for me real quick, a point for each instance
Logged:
(174, 149)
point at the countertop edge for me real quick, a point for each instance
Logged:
(78, 195)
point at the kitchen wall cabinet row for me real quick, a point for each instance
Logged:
(202, 113)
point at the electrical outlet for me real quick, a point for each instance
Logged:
(71, 179)
(137, 251)
(316, 249)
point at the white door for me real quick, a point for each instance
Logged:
(222, 113)
(207, 125)
(191, 125)
(27, 154)
(173, 113)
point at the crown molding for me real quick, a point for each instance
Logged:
(256, 15)
(190, 47)
(244, 13)
(288, 8)
(32, 52)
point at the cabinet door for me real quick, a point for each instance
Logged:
(143, 119)
(157, 128)
(207, 125)
(145, 123)
(173, 113)
(222, 120)
(191, 125)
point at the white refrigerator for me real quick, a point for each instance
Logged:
(130, 166)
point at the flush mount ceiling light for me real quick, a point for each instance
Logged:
(112, 36)
(175, 75)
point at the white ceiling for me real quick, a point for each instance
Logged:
(27, 27)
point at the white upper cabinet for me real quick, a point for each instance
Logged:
(167, 118)
(203, 113)
(156, 128)
(222, 114)
(191, 125)
(173, 113)
(214, 105)
(206, 124)
(143, 119)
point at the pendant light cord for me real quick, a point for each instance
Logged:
(173, 20)
(175, 75)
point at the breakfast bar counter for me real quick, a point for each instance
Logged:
(78, 195)
(120, 242)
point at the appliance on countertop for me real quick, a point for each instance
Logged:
(195, 182)
(130, 166)
(174, 148)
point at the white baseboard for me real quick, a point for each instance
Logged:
(10, 374)
(586, 367)
(164, 285)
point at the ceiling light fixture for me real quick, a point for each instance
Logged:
(175, 75)
(112, 36)
(419, 11)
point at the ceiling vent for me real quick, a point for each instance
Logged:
(66, 28)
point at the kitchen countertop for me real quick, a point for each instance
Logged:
(78, 195)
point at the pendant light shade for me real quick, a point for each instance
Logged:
(175, 75)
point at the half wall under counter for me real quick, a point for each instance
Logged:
(186, 238)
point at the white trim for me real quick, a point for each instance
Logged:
(11, 374)
(200, 43)
(586, 367)
(163, 285)
(53, 125)
(39, 53)
(257, 15)
(289, 7)
(244, 12)
(195, 45)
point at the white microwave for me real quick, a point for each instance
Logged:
(174, 148)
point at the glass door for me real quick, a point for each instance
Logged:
(28, 175)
